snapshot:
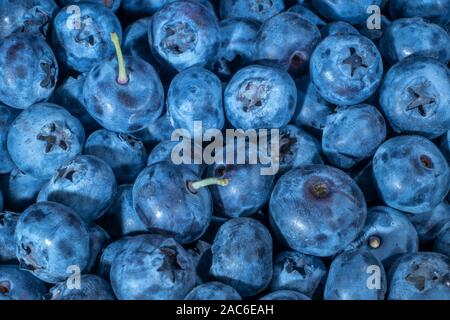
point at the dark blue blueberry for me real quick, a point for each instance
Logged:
(86, 184)
(420, 276)
(200, 253)
(415, 95)
(297, 271)
(351, 11)
(98, 240)
(285, 295)
(51, 240)
(16, 284)
(42, 138)
(350, 275)
(287, 41)
(247, 268)
(437, 11)
(7, 116)
(91, 288)
(346, 69)
(158, 131)
(8, 221)
(110, 4)
(258, 10)
(213, 291)
(260, 97)
(28, 70)
(338, 27)
(442, 243)
(429, 224)
(125, 154)
(135, 41)
(81, 37)
(353, 134)
(155, 268)
(411, 174)
(308, 14)
(317, 210)
(109, 253)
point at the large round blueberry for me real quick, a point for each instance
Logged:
(155, 268)
(420, 276)
(17, 284)
(184, 34)
(259, 10)
(353, 134)
(42, 138)
(110, 4)
(259, 97)
(7, 116)
(429, 224)
(213, 291)
(28, 70)
(91, 287)
(248, 269)
(353, 11)
(437, 11)
(411, 174)
(349, 277)
(346, 68)
(81, 35)
(86, 184)
(317, 210)
(8, 221)
(51, 240)
(285, 295)
(415, 96)
(287, 41)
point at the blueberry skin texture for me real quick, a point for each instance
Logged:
(248, 269)
(348, 277)
(124, 108)
(213, 291)
(125, 154)
(121, 219)
(237, 46)
(260, 97)
(415, 96)
(285, 295)
(338, 27)
(414, 36)
(420, 276)
(395, 232)
(254, 10)
(184, 34)
(86, 184)
(25, 16)
(307, 14)
(346, 69)
(287, 41)
(297, 271)
(17, 284)
(429, 224)
(442, 243)
(353, 11)
(411, 174)
(98, 240)
(317, 210)
(70, 95)
(8, 221)
(166, 206)
(247, 190)
(195, 94)
(28, 70)
(92, 287)
(436, 11)
(81, 48)
(110, 4)
(50, 237)
(7, 116)
(153, 270)
(42, 138)
(353, 134)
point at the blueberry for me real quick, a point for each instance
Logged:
(445, 146)
(86, 184)
(155, 268)
(110, 4)
(8, 221)
(213, 291)
(437, 11)
(111, 251)
(411, 174)
(195, 94)
(338, 27)
(317, 210)
(353, 134)
(135, 42)
(387, 233)
(200, 253)
(297, 271)
(349, 277)
(420, 276)
(98, 240)
(346, 69)
(259, 10)
(307, 14)
(429, 224)
(259, 97)
(81, 37)
(42, 138)
(415, 95)
(184, 34)
(124, 153)
(92, 287)
(28, 70)
(442, 243)
(285, 295)
(7, 116)
(158, 131)
(353, 11)
(121, 219)
(141, 8)
(50, 240)
(16, 284)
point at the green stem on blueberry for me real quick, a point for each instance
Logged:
(195, 185)
(123, 77)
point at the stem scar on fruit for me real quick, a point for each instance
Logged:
(194, 186)
(122, 77)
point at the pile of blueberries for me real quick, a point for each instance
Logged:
(93, 207)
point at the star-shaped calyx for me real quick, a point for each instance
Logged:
(355, 61)
(170, 262)
(55, 136)
(420, 99)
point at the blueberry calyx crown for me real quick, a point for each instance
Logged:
(253, 93)
(54, 134)
(179, 37)
(170, 262)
